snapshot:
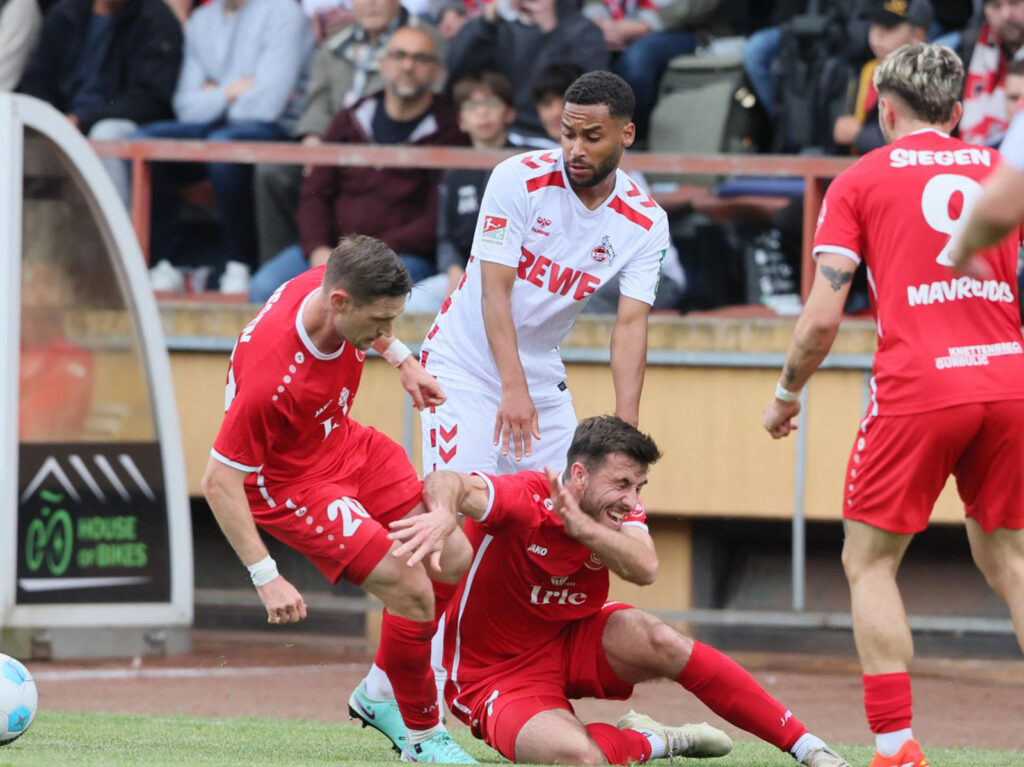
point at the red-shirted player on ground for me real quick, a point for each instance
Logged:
(290, 460)
(948, 385)
(530, 627)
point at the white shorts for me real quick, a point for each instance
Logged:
(459, 435)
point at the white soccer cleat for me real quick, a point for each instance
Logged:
(824, 757)
(696, 741)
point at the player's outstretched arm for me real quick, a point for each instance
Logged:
(224, 490)
(812, 339)
(627, 551)
(997, 211)
(422, 387)
(629, 357)
(445, 494)
(516, 421)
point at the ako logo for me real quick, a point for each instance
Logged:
(494, 230)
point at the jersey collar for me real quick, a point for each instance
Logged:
(304, 336)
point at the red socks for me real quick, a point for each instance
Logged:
(620, 746)
(404, 655)
(888, 701)
(729, 690)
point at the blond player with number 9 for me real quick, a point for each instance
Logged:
(947, 392)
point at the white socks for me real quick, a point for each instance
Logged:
(888, 743)
(805, 745)
(378, 686)
(418, 736)
(659, 748)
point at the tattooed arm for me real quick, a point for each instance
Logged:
(812, 339)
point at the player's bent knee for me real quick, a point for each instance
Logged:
(668, 644)
(405, 591)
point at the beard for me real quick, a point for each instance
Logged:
(601, 172)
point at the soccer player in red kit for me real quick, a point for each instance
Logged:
(290, 460)
(530, 627)
(948, 384)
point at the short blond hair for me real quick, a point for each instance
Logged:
(927, 78)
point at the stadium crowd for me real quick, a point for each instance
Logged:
(459, 72)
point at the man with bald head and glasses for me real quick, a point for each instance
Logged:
(395, 205)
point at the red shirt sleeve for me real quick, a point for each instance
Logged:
(250, 424)
(514, 498)
(839, 226)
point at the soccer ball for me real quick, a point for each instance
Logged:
(18, 699)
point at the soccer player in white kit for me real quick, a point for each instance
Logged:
(554, 226)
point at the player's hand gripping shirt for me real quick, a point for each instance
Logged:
(943, 339)
(287, 402)
(530, 219)
(529, 579)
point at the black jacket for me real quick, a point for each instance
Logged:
(521, 52)
(141, 68)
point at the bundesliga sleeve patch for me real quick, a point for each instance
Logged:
(494, 230)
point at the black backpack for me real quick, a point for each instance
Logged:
(812, 80)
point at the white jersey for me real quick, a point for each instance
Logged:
(532, 220)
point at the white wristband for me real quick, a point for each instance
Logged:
(396, 353)
(784, 394)
(263, 572)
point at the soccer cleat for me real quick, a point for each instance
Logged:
(439, 749)
(909, 755)
(381, 715)
(697, 741)
(824, 757)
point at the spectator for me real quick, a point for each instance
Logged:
(519, 38)
(485, 104)
(109, 65)
(245, 62)
(452, 19)
(645, 35)
(328, 17)
(20, 24)
(761, 50)
(997, 43)
(396, 205)
(549, 88)
(345, 69)
(891, 25)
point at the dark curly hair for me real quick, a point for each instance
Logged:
(602, 87)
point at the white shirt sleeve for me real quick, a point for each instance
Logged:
(639, 278)
(501, 226)
(1012, 148)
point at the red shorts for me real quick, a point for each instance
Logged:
(340, 523)
(900, 463)
(496, 708)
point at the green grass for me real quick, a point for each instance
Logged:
(59, 738)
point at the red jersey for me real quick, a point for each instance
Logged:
(942, 339)
(529, 580)
(287, 402)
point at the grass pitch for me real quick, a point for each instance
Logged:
(60, 738)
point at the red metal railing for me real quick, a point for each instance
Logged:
(813, 170)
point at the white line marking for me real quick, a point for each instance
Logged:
(129, 465)
(60, 584)
(83, 471)
(108, 472)
(78, 675)
(50, 466)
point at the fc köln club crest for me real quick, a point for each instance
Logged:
(604, 252)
